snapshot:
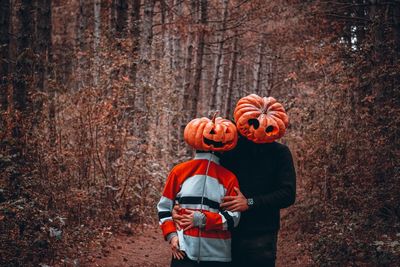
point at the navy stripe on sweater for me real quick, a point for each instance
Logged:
(197, 200)
(164, 214)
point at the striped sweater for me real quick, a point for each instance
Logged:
(200, 184)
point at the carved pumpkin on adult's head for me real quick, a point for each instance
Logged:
(216, 134)
(260, 119)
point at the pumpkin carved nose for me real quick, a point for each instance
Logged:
(269, 129)
(254, 122)
(212, 131)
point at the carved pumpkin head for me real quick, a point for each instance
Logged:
(260, 119)
(217, 134)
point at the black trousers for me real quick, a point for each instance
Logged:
(186, 262)
(254, 249)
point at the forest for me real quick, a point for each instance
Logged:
(95, 95)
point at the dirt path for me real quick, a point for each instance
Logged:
(146, 248)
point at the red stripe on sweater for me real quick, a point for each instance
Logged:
(168, 227)
(219, 234)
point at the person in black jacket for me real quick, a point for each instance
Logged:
(268, 183)
(266, 176)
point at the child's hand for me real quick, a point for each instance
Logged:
(176, 253)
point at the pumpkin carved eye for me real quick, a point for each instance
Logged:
(254, 122)
(269, 129)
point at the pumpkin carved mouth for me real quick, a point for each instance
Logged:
(213, 143)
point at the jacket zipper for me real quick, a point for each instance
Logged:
(201, 206)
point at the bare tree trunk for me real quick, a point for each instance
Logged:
(396, 27)
(231, 78)
(113, 17)
(105, 14)
(199, 58)
(52, 117)
(81, 26)
(5, 15)
(43, 47)
(396, 37)
(23, 77)
(258, 70)
(121, 18)
(163, 11)
(158, 50)
(83, 40)
(240, 75)
(23, 72)
(170, 35)
(360, 13)
(132, 91)
(186, 106)
(144, 84)
(188, 75)
(175, 117)
(177, 47)
(96, 41)
(216, 86)
(269, 81)
(146, 40)
(43, 40)
(376, 15)
(273, 79)
(135, 30)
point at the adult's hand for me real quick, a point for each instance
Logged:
(177, 217)
(176, 252)
(235, 203)
(187, 221)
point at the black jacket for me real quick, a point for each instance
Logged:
(266, 174)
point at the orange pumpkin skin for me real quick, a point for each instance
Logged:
(260, 119)
(217, 134)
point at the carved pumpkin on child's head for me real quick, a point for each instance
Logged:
(217, 134)
(260, 119)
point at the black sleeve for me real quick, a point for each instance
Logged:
(285, 194)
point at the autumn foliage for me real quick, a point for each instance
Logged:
(95, 96)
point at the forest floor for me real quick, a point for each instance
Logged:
(146, 248)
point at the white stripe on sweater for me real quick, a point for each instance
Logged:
(193, 186)
(212, 249)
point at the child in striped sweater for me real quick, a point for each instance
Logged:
(198, 186)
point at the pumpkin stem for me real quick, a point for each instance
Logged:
(214, 116)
